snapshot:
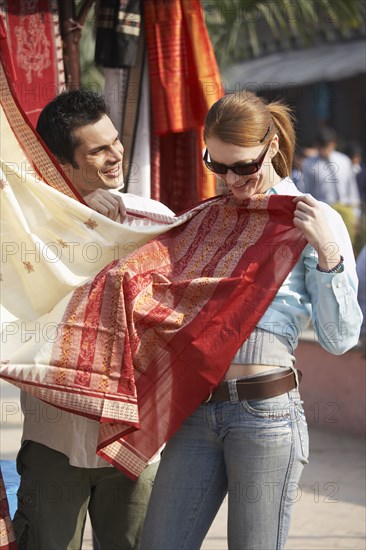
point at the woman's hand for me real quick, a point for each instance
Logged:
(310, 218)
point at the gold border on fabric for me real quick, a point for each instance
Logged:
(31, 146)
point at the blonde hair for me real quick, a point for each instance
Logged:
(246, 120)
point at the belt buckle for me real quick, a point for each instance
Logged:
(208, 398)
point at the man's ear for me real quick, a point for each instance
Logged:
(67, 168)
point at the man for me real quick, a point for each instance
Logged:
(329, 177)
(62, 478)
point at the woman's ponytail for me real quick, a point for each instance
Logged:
(283, 119)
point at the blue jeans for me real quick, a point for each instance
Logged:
(253, 451)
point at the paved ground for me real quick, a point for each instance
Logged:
(330, 510)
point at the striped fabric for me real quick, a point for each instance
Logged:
(118, 32)
(184, 81)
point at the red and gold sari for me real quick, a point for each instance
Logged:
(134, 324)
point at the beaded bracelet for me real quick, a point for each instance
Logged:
(334, 269)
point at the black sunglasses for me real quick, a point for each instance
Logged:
(245, 169)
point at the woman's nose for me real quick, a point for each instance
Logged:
(231, 177)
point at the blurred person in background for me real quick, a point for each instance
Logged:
(355, 153)
(329, 177)
(301, 153)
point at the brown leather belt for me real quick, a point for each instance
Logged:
(259, 387)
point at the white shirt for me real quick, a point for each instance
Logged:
(331, 180)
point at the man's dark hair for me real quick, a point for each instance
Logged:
(353, 149)
(65, 113)
(326, 136)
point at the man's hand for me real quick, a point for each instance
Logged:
(107, 203)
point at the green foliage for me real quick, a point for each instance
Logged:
(348, 216)
(241, 29)
(360, 237)
(91, 75)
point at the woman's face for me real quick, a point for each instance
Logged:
(244, 187)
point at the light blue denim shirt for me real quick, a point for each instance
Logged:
(328, 300)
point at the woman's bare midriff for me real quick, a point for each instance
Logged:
(238, 371)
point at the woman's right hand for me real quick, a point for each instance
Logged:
(310, 218)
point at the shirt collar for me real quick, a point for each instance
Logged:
(285, 187)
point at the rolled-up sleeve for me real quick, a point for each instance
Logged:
(336, 315)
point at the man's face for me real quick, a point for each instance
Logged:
(98, 157)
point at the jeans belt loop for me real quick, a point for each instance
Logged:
(208, 398)
(233, 390)
(294, 370)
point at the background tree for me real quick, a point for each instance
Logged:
(242, 29)
(239, 29)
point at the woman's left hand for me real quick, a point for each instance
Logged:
(310, 218)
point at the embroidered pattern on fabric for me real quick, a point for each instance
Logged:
(65, 350)
(91, 223)
(33, 46)
(28, 266)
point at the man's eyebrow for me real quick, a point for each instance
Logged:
(96, 149)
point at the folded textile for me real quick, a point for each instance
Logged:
(141, 344)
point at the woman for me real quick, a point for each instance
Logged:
(249, 439)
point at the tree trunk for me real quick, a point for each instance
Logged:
(71, 26)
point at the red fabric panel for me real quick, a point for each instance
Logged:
(179, 170)
(37, 153)
(184, 83)
(36, 52)
(183, 72)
